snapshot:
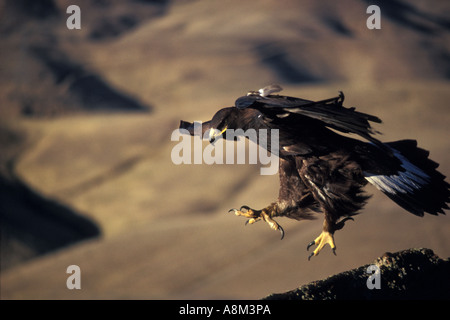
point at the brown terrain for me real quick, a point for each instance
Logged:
(86, 118)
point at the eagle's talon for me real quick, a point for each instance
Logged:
(247, 208)
(256, 215)
(235, 211)
(247, 212)
(280, 228)
(324, 238)
(252, 221)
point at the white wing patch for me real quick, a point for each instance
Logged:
(264, 92)
(413, 178)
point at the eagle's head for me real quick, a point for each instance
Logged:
(232, 118)
(226, 118)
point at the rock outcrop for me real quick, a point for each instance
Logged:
(408, 274)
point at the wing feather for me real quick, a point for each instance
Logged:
(330, 111)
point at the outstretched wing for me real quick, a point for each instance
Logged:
(330, 111)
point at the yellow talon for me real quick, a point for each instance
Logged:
(256, 215)
(324, 238)
(252, 220)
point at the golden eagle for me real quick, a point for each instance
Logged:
(323, 171)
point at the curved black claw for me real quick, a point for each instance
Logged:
(281, 231)
(309, 246)
(244, 207)
(232, 210)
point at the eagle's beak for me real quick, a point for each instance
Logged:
(214, 134)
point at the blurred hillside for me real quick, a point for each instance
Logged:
(86, 117)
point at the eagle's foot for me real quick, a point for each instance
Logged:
(256, 215)
(324, 238)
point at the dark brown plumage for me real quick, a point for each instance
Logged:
(323, 171)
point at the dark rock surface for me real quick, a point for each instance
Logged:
(408, 274)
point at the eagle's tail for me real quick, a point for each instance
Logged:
(417, 186)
